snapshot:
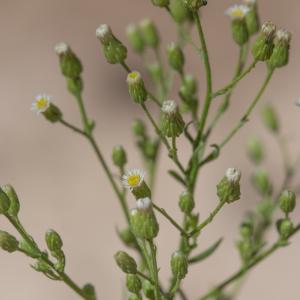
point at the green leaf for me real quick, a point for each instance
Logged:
(208, 252)
(176, 176)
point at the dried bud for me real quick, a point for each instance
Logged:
(194, 5)
(14, 203)
(270, 118)
(252, 17)
(176, 57)
(4, 202)
(186, 202)
(287, 201)
(179, 265)
(133, 283)
(261, 182)
(8, 242)
(135, 38)
(178, 11)
(255, 150)
(143, 221)
(172, 123)
(136, 87)
(53, 240)
(126, 263)
(138, 128)
(161, 3)
(150, 33)
(119, 156)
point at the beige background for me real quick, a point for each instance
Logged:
(58, 178)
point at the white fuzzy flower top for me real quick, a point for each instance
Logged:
(103, 33)
(283, 35)
(169, 107)
(233, 175)
(133, 178)
(268, 28)
(237, 12)
(41, 103)
(144, 203)
(61, 48)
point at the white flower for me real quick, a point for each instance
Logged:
(133, 178)
(143, 203)
(233, 175)
(283, 35)
(103, 33)
(169, 107)
(41, 103)
(268, 28)
(134, 77)
(237, 12)
(61, 48)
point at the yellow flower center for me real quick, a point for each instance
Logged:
(41, 103)
(237, 13)
(134, 180)
(133, 75)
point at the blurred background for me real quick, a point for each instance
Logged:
(57, 176)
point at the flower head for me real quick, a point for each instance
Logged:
(237, 12)
(41, 103)
(61, 48)
(104, 33)
(233, 175)
(283, 35)
(268, 28)
(144, 203)
(169, 107)
(133, 178)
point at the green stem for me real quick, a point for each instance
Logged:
(155, 270)
(72, 127)
(84, 118)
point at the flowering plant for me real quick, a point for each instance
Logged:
(186, 118)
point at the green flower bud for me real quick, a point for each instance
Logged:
(143, 221)
(263, 46)
(172, 124)
(194, 5)
(228, 189)
(285, 228)
(161, 3)
(247, 228)
(90, 291)
(115, 52)
(148, 290)
(270, 118)
(179, 265)
(190, 84)
(246, 250)
(126, 263)
(53, 113)
(280, 55)
(4, 202)
(53, 241)
(14, 204)
(186, 202)
(8, 242)
(150, 33)
(138, 128)
(266, 209)
(119, 156)
(70, 64)
(75, 86)
(287, 201)
(176, 57)
(178, 11)
(255, 150)
(261, 182)
(155, 71)
(127, 237)
(135, 38)
(252, 17)
(237, 14)
(136, 87)
(133, 283)
(135, 297)
(150, 148)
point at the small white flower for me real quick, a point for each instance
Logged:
(233, 175)
(283, 35)
(237, 12)
(133, 178)
(61, 48)
(298, 102)
(41, 103)
(268, 28)
(103, 33)
(143, 203)
(133, 77)
(169, 107)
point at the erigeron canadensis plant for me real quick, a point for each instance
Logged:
(186, 118)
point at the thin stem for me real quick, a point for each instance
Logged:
(72, 127)
(155, 270)
(84, 118)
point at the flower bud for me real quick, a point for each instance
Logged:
(280, 54)
(90, 291)
(266, 209)
(228, 189)
(285, 228)
(119, 156)
(150, 33)
(252, 17)
(261, 182)
(133, 283)
(247, 228)
(70, 64)
(135, 38)
(178, 11)
(237, 14)
(287, 201)
(143, 221)
(75, 86)
(263, 46)
(172, 124)
(186, 202)
(161, 3)
(176, 57)
(270, 118)
(194, 5)
(136, 87)
(135, 297)
(126, 263)
(53, 240)
(115, 52)
(255, 150)
(155, 72)
(127, 237)
(148, 290)
(8, 242)
(179, 265)
(246, 250)
(138, 128)
(4, 202)
(14, 203)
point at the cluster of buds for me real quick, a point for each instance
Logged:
(114, 50)
(228, 189)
